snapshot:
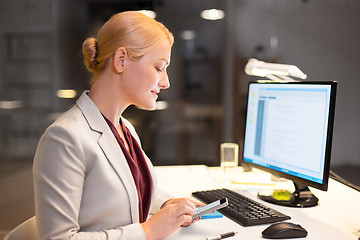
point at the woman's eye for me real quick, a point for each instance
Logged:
(158, 69)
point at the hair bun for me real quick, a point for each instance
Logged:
(90, 50)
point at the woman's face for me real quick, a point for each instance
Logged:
(144, 77)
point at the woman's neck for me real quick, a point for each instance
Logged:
(107, 98)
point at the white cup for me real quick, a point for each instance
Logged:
(229, 156)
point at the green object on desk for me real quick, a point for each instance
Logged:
(282, 195)
(215, 214)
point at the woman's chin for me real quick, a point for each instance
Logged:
(151, 107)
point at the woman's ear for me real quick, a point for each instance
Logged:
(119, 59)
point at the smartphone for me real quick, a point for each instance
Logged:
(198, 212)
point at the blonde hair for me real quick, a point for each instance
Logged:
(134, 31)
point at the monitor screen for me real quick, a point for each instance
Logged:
(289, 130)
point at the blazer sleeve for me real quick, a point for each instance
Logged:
(59, 171)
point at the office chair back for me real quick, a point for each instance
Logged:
(25, 231)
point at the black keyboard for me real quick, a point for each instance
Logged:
(241, 209)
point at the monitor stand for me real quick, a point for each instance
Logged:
(301, 197)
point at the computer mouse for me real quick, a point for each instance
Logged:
(282, 230)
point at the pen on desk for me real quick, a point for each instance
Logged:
(222, 236)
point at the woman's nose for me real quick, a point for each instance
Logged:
(164, 82)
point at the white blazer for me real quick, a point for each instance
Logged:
(83, 186)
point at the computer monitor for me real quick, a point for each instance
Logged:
(288, 132)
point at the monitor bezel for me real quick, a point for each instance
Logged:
(331, 117)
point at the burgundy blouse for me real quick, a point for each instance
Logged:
(138, 167)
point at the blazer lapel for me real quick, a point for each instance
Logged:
(117, 159)
(111, 150)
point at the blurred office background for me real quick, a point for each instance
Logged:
(40, 54)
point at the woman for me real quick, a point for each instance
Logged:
(91, 177)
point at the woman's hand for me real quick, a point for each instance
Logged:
(177, 200)
(173, 214)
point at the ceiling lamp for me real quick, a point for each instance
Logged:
(148, 13)
(212, 14)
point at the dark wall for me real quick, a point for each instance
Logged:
(322, 38)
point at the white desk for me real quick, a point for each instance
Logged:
(336, 217)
